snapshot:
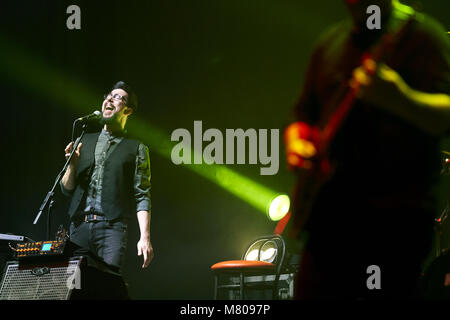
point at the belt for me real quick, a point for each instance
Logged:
(94, 217)
(91, 217)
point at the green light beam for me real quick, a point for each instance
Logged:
(45, 80)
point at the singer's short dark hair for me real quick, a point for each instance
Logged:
(132, 97)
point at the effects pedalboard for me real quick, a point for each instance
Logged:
(40, 249)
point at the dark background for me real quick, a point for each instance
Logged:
(229, 63)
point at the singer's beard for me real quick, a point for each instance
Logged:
(111, 122)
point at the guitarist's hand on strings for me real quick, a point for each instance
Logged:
(378, 85)
(384, 88)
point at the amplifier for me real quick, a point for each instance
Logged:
(40, 281)
(40, 249)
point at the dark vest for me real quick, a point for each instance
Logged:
(117, 190)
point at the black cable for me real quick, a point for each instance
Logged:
(73, 129)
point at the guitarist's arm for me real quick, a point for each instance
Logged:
(423, 99)
(386, 89)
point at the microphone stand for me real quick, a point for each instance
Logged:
(49, 197)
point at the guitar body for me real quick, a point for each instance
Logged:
(302, 145)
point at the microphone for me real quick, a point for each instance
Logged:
(96, 115)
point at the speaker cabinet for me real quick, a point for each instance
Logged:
(52, 280)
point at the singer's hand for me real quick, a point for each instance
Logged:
(145, 249)
(76, 154)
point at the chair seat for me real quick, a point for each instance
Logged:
(243, 265)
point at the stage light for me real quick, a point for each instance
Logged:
(252, 255)
(279, 207)
(262, 250)
(269, 251)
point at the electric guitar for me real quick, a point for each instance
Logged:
(308, 147)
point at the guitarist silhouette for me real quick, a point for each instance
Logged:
(365, 147)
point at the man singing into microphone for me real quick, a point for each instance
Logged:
(109, 181)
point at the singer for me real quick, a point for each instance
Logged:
(108, 180)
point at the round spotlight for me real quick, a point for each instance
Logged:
(268, 252)
(279, 207)
(253, 253)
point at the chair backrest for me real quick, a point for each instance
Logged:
(270, 248)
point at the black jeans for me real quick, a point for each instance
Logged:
(105, 240)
